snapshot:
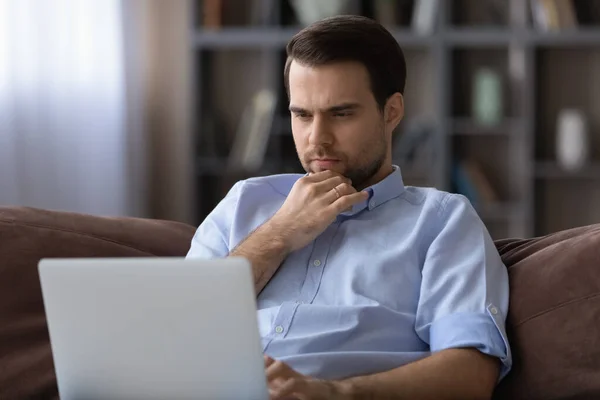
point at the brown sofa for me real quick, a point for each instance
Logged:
(553, 323)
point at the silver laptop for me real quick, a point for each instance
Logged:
(153, 328)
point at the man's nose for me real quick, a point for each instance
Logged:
(320, 133)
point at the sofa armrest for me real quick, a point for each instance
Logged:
(553, 321)
(28, 235)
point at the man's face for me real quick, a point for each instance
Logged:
(336, 122)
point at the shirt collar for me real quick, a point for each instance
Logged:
(388, 188)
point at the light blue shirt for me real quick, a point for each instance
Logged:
(409, 272)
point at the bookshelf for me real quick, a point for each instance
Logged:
(541, 72)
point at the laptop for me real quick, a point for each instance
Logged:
(153, 328)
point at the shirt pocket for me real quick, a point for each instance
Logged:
(386, 277)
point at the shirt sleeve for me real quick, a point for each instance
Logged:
(211, 239)
(464, 288)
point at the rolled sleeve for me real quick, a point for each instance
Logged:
(484, 332)
(464, 288)
(211, 239)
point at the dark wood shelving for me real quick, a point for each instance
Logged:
(440, 76)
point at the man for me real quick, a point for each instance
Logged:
(366, 288)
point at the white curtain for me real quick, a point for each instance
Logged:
(63, 118)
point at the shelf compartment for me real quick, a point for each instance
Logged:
(566, 78)
(566, 203)
(478, 13)
(466, 63)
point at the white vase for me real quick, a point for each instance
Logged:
(487, 97)
(309, 11)
(572, 147)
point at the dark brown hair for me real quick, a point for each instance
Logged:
(351, 38)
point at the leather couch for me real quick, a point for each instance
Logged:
(553, 322)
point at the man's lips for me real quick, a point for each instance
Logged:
(325, 163)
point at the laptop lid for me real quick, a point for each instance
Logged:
(153, 328)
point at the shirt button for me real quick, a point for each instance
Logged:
(494, 310)
(317, 263)
(279, 329)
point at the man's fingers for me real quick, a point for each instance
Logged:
(330, 183)
(268, 361)
(277, 369)
(347, 201)
(321, 176)
(343, 189)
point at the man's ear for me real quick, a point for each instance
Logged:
(394, 111)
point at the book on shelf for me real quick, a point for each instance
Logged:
(471, 181)
(217, 14)
(385, 12)
(424, 16)
(556, 15)
(394, 13)
(211, 14)
(252, 136)
(411, 147)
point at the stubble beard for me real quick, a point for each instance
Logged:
(365, 166)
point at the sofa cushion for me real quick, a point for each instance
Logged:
(28, 235)
(554, 316)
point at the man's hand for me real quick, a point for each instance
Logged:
(312, 205)
(285, 384)
(447, 374)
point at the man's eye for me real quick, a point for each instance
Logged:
(302, 116)
(342, 114)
